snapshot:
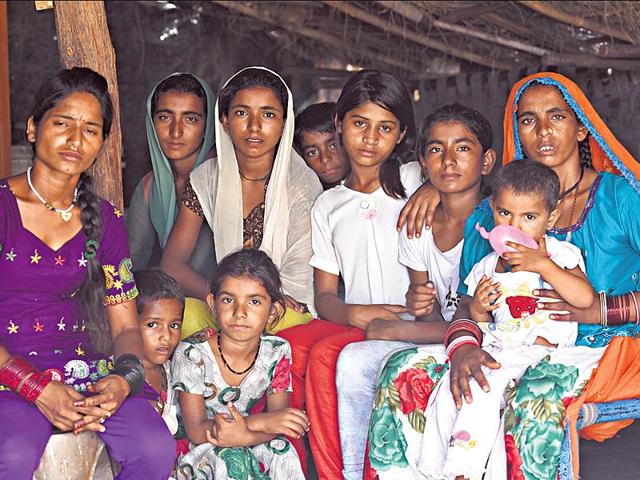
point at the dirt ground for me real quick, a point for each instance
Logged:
(614, 459)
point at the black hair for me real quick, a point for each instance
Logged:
(153, 285)
(387, 91)
(525, 177)
(585, 153)
(251, 77)
(254, 264)
(66, 82)
(318, 117)
(476, 122)
(92, 291)
(182, 83)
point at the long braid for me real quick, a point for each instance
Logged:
(585, 153)
(92, 291)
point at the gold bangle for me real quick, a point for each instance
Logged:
(635, 303)
(603, 309)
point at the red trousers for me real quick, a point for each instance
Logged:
(315, 348)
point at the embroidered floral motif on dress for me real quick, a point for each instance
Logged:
(119, 282)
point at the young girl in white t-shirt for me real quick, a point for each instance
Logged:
(354, 236)
(455, 151)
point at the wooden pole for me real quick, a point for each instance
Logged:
(405, 9)
(84, 41)
(586, 60)
(615, 50)
(420, 39)
(321, 37)
(550, 11)
(474, 11)
(5, 111)
(417, 15)
(490, 37)
(513, 27)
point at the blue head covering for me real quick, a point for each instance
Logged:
(162, 201)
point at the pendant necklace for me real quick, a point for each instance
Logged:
(576, 188)
(65, 213)
(159, 402)
(224, 360)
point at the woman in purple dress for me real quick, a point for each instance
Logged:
(67, 297)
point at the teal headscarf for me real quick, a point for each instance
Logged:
(162, 199)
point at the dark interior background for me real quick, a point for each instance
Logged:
(153, 39)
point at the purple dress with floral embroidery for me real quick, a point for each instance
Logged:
(41, 318)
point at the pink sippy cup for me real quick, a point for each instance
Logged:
(506, 233)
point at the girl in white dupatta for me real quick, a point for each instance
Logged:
(256, 173)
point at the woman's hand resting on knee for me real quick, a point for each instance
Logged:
(466, 362)
(110, 392)
(57, 403)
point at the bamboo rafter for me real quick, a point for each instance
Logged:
(407, 36)
(416, 15)
(316, 35)
(548, 10)
(420, 39)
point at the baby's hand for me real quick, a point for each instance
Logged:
(528, 259)
(288, 421)
(485, 298)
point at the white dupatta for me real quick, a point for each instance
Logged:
(293, 188)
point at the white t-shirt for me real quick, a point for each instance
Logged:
(518, 321)
(423, 255)
(354, 234)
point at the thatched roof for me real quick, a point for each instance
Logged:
(426, 39)
(444, 51)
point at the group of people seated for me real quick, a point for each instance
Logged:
(339, 282)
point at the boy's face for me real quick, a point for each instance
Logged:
(322, 154)
(160, 326)
(526, 212)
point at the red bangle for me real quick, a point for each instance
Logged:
(14, 371)
(618, 309)
(456, 347)
(33, 386)
(463, 325)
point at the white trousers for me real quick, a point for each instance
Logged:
(359, 365)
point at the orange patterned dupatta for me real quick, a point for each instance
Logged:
(618, 374)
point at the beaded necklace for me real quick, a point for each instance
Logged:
(65, 213)
(226, 364)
